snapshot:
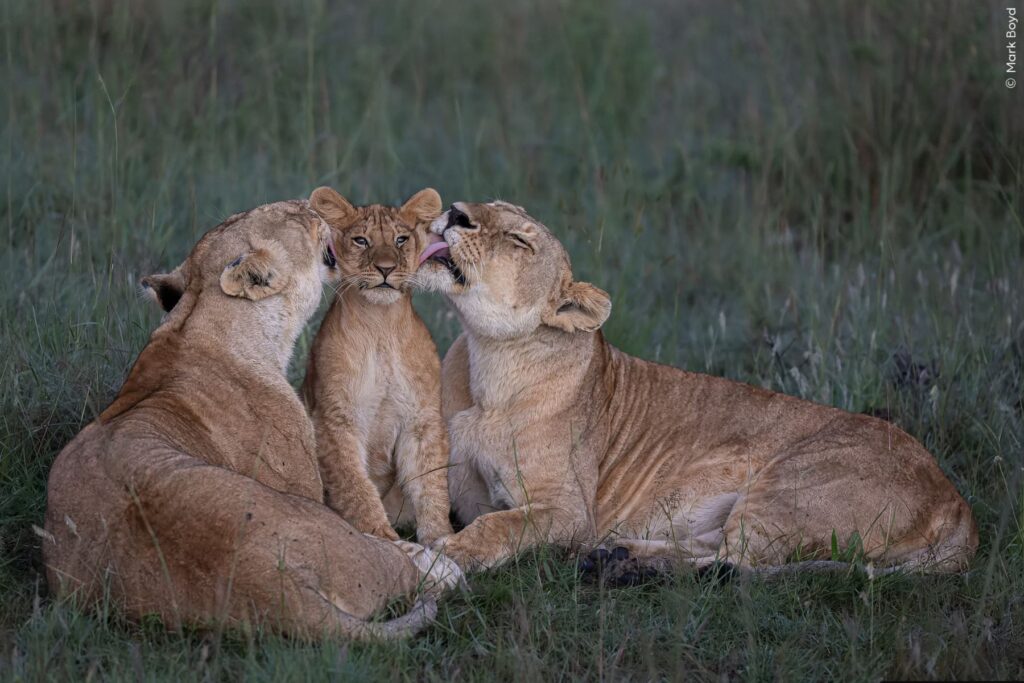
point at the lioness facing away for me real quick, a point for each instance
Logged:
(557, 436)
(373, 385)
(196, 496)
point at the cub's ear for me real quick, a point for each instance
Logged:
(332, 206)
(583, 307)
(164, 288)
(257, 274)
(423, 206)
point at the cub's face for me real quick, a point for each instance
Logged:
(506, 274)
(377, 246)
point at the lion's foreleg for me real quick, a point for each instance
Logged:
(496, 537)
(423, 475)
(347, 486)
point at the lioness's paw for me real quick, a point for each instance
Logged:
(452, 546)
(615, 568)
(440, 572)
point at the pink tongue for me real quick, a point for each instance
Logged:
(435, 248)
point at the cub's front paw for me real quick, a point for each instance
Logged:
(428, 535)
(440, 543)
(383, 531)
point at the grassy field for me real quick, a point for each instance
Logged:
(821, 198)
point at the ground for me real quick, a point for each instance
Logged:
(820, 198)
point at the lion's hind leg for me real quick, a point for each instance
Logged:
(846, 500)
(685, 537)
(221, 547)
(630, 561)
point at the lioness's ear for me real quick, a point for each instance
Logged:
(525, 236)
(423, 206)
(164, 288)
(257, 274)
(583, 308)
(331, 205)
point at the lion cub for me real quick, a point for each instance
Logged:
(373, 385)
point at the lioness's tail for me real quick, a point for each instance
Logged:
(439, 574)
(423, 613)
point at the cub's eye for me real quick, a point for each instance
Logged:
(361, 241)
(401, 239)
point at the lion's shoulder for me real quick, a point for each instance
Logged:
(147, 376)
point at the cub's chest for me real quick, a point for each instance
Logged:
(382, 398)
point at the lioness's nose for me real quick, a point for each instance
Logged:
(385, 268)
(458, 218)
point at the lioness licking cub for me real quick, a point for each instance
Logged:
(373, 385)
(557, 436)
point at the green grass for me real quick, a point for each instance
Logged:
(820, 198)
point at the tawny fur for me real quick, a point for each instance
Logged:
(373, 385)
(557, 436)
(196, 496)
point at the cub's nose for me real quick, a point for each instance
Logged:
(384, 269)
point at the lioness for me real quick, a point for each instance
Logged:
(196, 494)
(373, 385)
(558, 436)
